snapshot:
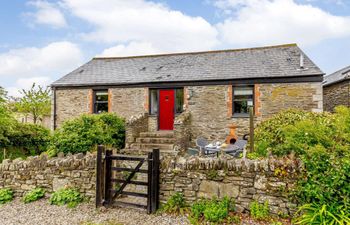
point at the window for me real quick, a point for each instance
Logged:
(100, 101)
(179, 100)
(242, 99)
(153, 102)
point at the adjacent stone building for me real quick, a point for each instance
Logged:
(191, 94)
(336, 89)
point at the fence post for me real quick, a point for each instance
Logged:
(108, 173)
(149, 182)
(99, 175)
(155, 181)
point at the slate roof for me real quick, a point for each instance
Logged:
(337, 76)
(264, 62)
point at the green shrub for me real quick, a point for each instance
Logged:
(6, 195)
(259, 211)
(323, 214)
(85, 132)
(31, 138)
(67, 196)
(34, 195)
(175, 204)
(212, 210)
(322, 142)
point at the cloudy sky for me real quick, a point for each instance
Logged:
(42, 40)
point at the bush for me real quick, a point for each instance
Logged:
(175, 204)
(213, 210)
(85, 132)
(67, 196)
(34, 195)
(259, 211)
(31, 138)
(322, 142)
(6, 195)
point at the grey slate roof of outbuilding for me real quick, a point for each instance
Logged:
(264, 62)
(338, 76)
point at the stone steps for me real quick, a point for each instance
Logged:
(155, 140)
(157, 134)
(150, 146)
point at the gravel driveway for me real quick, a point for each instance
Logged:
(42, 213)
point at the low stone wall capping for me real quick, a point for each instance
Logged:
(242, 179)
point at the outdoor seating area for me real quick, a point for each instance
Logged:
(214, 148)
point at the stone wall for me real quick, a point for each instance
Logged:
(76, 171)
(128, 102)
(242, 179)
(336, 94)
(71, 103)
(211, 106)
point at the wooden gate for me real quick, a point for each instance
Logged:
(106, 195)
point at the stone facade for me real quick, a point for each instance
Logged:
(76, 171)
(336, 94)
(71, 103)
(242, 179)
(210, 106)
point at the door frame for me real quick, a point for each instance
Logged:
(158, 111)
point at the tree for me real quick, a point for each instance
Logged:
(36, 101)
(6, 118)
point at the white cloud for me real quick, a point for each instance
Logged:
(26, 83)
(40, 65)
(56, 57)
(133, 48)
(139, 21)
(262, 22)
(48, 14)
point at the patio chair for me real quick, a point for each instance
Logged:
(201, 143)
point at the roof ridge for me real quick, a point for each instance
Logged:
(338, 71)
(198, 52)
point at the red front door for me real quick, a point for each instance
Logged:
(166, 109)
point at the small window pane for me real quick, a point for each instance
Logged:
(101, 101)
(242, 100)
(154, 102)
(179, 100)
(243, 91)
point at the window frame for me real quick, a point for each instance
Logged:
(94, 102)
(242, 115)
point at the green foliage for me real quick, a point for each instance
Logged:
(34, 195)
(33, 139)
(85, 132)
(214, 210)
(36, 101)
(322, 141)
(272, 134)
(67, 196)
(6, 195)
(175, 204)
(259, 211)
(323, 214)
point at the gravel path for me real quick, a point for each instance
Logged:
(42, 213)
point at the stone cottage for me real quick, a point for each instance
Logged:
(172, 99)
(336, 89)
